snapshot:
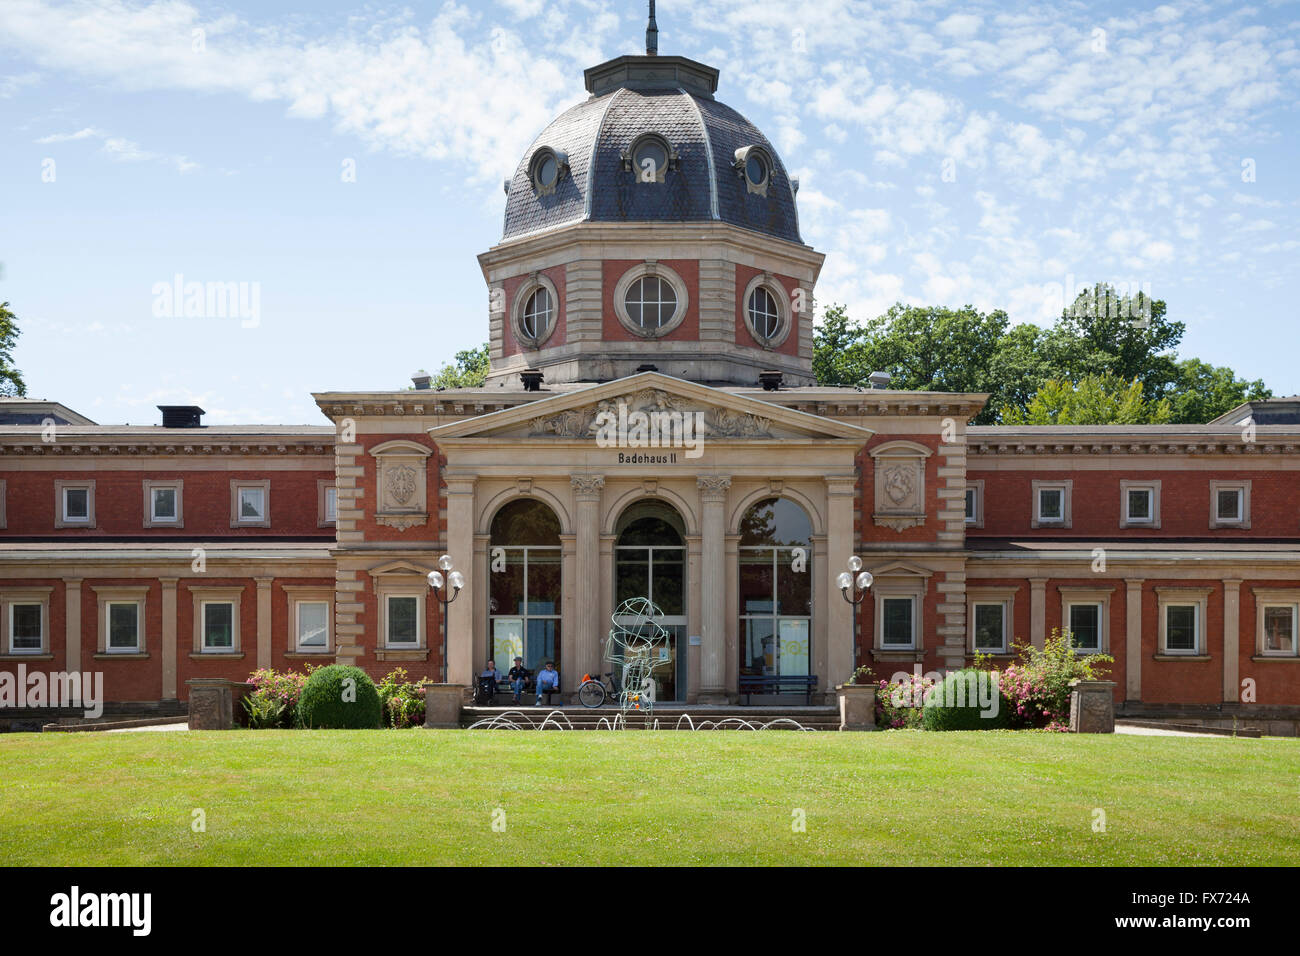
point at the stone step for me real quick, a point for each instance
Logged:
(668, 717)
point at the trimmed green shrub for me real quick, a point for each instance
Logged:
(339, 697)
(968, 699)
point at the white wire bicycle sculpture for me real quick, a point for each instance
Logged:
(635, 647)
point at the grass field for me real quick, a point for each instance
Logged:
(422, 797)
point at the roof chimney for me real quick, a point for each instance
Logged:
(532, 379)
(771, 379)
(879, 379)
(652, 33)
(181, 416)
(421, 380)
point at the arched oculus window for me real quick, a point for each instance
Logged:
(764, 313)
(651, 302)
(649, 158)
(754, 165)
(535, 321)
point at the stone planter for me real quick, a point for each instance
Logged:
(213, 700)
(442, 703)
(857, 706)
(1092, 707)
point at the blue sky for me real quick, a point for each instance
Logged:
(986, 153)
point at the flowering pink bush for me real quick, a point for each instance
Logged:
(898, 703)
(274, 698)
(1037, 687)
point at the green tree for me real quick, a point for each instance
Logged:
(1203, 391)
(1094, 400)
(837, 350)
(1130, 337)
(11, 380)
(469, 370)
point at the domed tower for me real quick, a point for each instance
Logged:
(651, 226)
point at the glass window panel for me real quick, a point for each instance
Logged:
(1180, 627)
(543, 582)
(123, 626)
(506, 583)
(756, 595)
(525, 522)
(1085, 626)
(1139, 504)
(542, 644)
(989, 621)
(632, 575)
(76, 503)
(219, 625)
(331, 504)
(775, 522)
(794, 646)
(896, 623)
(313, 624)
(164, 504)
(1049, 504)
(1229, 504)
(251, 503)
(403, 622)
(667, 584)
(794, 588)
(970, 504)
(507, 641)
(25, 620)
(1279, 628)
(759, 655)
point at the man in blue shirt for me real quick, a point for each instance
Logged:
(548, 678)
(488, 680)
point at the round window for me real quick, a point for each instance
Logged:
(650, 159)
(546, 171)
(764, 314)
(756, 169)
(536, 318)
(651, 302)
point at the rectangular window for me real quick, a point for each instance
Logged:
(76, 504)
(1138, 505)
(897, 622)
(252, 504)
(1228, 504)
(1280, 629)
(162, 505)
(403, 621)
(1085, 626)
(970, 505)
(218, 625)
(990, 623)
(1181, 628)
(313, 625)
(1051, 504)
(26, 628)
(123, 623)
(331, 504)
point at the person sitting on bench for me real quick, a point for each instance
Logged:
(489, 678)
(548, 682)
(518, 676)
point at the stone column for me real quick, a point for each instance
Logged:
(1231, 640)
(582, 649)
(72, 624)
(1133, 640)
(459, 637)
(713, 589)
(1038, 611)
(264, 621)
(841, 492)
(167, 639)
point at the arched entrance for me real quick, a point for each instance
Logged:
(650, 561)
(524, 592)
(775, 589)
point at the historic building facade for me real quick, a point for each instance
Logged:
(651, 427)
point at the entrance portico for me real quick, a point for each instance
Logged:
(749, 452)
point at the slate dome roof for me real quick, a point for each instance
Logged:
(671, 97)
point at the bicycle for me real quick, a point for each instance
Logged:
(592, 692)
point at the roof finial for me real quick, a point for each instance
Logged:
(652, 33)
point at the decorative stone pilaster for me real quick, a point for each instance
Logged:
(857, 706)
(442, 703)
(459, 639)
(841, 492)
(1231, 639)
(587, 490)
(1038, 611)
(1133, 640)
(167, 638)
(1092, 706)
(72, 624)
(713, 589)
(263, 621)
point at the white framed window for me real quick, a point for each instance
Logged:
(122, 623)
(27, 627)
(1277, 622)
(990, 613)
(975, 503)
(536, 310)
(74, 504)
(327, 495)
(1139, 504)
(651, 299)
(1085, 616)
(1052, 505)
(1229, 504)
(403, 620)
(216, 620)
(896, 627)
(250, 503)
(767, 310)
(218, 626)
(163, 505)
(312, 625)
(1182, 621)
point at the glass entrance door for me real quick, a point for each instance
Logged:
(650, 562)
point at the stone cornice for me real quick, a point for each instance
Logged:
(1197, 445)
(422, 404)
(126, 446)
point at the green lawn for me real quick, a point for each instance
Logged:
(356, 797)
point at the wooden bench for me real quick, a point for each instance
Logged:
(778, 684)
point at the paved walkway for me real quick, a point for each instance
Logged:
(1157, 732)
(149, 728)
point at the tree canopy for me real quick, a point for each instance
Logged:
(469, 370)
(11, 380)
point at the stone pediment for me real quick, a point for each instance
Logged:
(650, 400)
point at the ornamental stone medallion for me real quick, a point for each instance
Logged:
(402, 483)
(900, 484)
